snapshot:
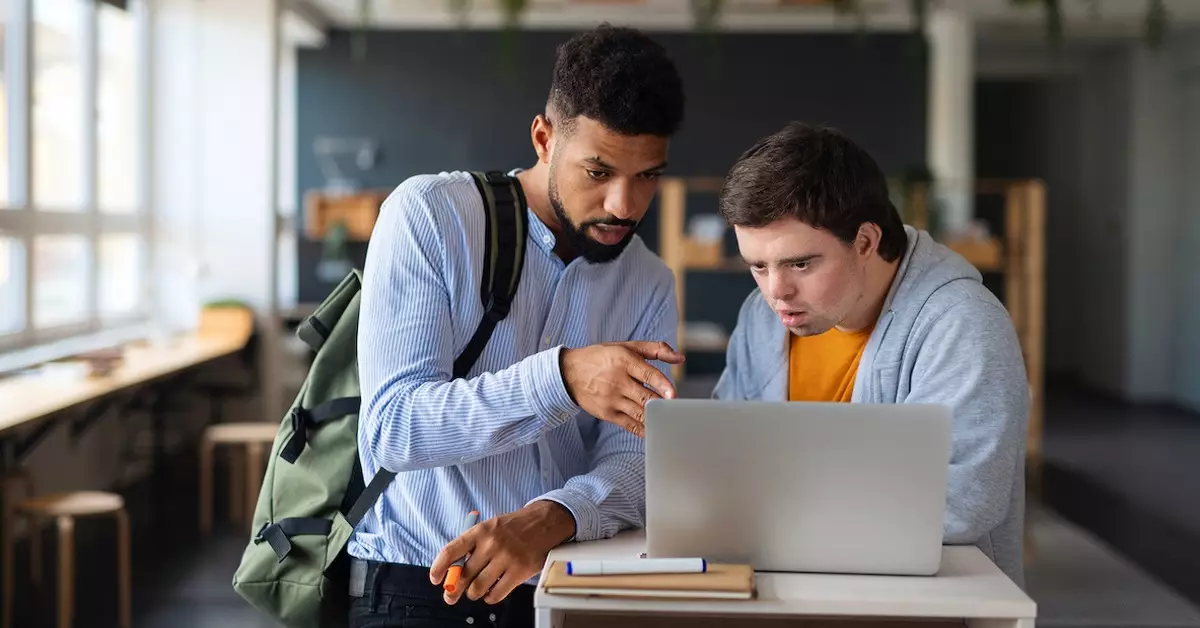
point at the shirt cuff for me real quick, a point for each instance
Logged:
(543, 384)
(585, 513)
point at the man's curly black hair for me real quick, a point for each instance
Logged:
(620, 78)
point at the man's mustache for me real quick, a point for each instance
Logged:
(611, 220)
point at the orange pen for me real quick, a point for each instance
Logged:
(455, 571)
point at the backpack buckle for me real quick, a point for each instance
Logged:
(295, 445)
(275, 537)
(495, 177)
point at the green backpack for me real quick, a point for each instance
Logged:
(295, 567)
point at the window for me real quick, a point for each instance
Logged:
(58, 104)
(117, 134)
(120, 274)
(60, 280)
(74, 228)
(12, 282)
(4, 198)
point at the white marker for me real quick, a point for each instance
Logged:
(634, 566)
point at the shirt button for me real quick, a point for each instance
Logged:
(547, 239)
(546, 340)
(492, 617)
(470, 620)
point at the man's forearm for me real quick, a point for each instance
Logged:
(609, 498)
(414, 424)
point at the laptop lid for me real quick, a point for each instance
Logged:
(798, 486)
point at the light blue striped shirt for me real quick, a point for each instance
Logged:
(508, 433)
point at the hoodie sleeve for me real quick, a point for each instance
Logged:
(970, 359)
(729, 386)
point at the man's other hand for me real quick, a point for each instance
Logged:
(613, 381)
(504, 551)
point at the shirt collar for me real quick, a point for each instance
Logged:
(541, 234)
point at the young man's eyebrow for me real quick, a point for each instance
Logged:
(787, 260)
(597, 161)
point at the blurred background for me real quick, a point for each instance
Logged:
(183, 181)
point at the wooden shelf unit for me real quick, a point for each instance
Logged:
(357, 211)
(1019, 255)
(674, 246)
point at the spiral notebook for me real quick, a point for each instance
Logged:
(719, 582)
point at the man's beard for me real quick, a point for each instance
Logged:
(577, 237)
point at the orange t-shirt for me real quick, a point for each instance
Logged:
(822, 367)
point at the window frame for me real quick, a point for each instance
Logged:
(23, 220)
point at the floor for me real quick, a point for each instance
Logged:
(1120, 490)
(1129, 474)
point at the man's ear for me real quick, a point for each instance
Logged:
(542, 134)
(866, 243)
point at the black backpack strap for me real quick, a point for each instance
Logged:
(506, 227)
(367, 498)
(503, 258)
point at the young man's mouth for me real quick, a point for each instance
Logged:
(609, 234)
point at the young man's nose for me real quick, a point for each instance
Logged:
(777, 287)
(619, 202)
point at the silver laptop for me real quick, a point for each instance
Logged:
(804, 487)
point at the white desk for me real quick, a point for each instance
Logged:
(969, 590)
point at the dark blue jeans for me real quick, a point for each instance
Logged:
(401, 596)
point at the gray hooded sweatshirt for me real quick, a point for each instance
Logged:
(942, 337)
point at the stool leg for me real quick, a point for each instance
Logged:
(206, 480)
(35, 550)
(124, 604)
(66, 571)
(254, 474)
(237, 484)
(9, 520)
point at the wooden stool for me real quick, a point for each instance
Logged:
(245, 472)
(8, 482)
(65, 508)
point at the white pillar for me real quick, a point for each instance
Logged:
(951, 146)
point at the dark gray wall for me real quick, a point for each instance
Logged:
(444, 101)
(1033, 128)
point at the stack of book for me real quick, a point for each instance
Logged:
(713, 581)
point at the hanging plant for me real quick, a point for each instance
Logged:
(705, 14)
(1054, 19)
(1156, 23)
(1054, 23)
(511, 11)
(917, 43)
(358, 43)
(855, 8)
(1156, 20)
(461, 10)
